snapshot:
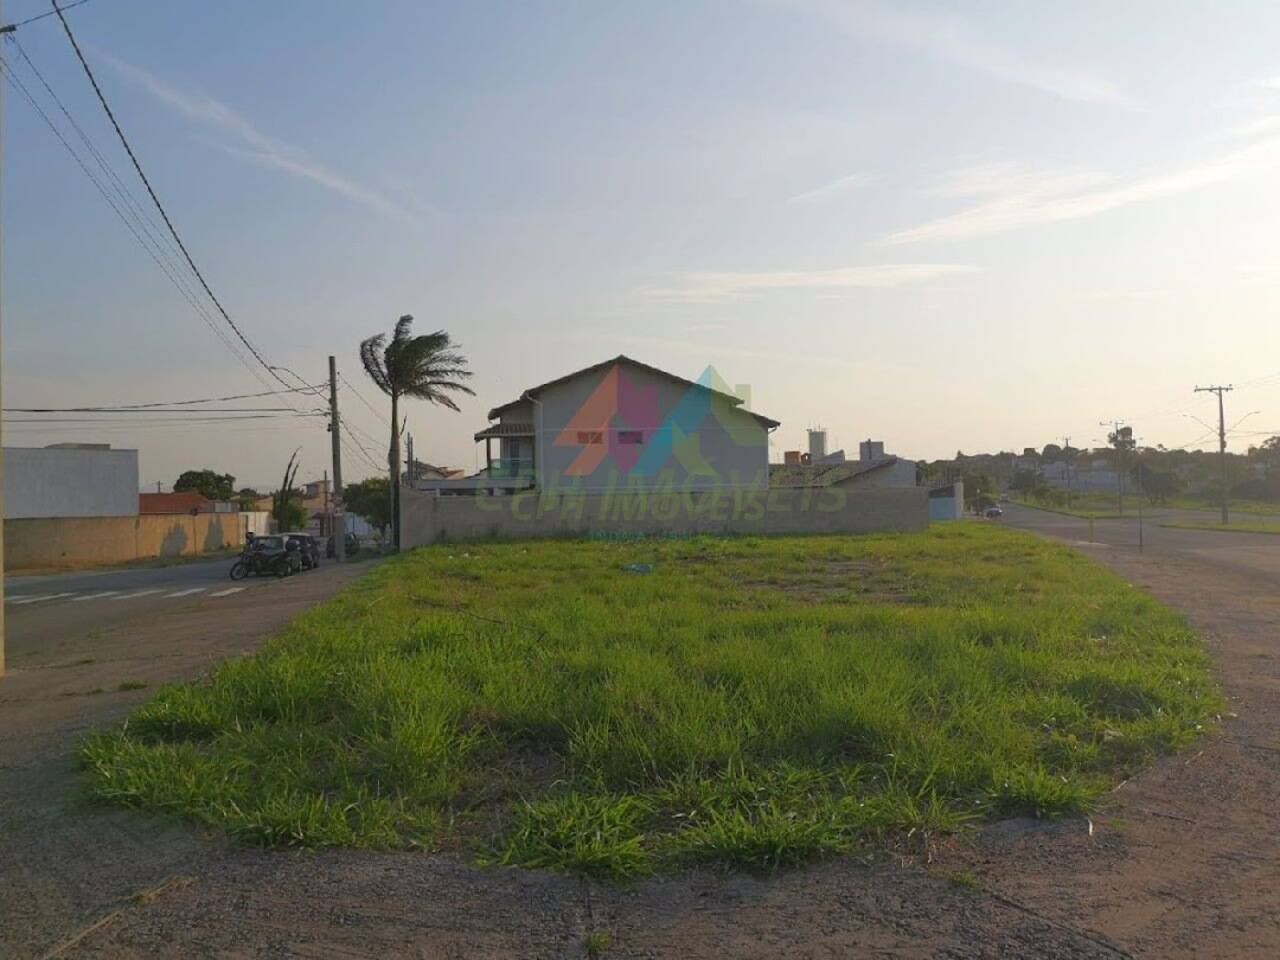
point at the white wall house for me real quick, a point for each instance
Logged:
(70, 480)
(622, 424)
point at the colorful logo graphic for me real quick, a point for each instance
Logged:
(622, 424)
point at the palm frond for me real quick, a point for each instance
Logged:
(373, 357)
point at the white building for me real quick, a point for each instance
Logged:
(70, 480)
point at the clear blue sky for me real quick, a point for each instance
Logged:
(961, 225)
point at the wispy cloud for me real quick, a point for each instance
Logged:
(1030, 198)
(1255, 128)
(939, 34)
(728, 347)
(253, 145)
(835, 188)
(710, 286)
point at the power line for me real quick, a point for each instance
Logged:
(152, 230)
(154, 410)
(9, 28)
(360, 396)
(169, 403)
(254, 416)
(16, 82)
(155, 199)
(364, 454)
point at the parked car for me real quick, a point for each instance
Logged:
(352, 544)
(271, 556)
(308, 549)
(992, 513)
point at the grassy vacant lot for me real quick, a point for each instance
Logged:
(1090, 506)
(1233, 527)
(1102, 506)
(739, 702)
(1257, 507)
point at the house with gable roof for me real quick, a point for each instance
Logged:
(621, 424)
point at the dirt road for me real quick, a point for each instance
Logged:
(1182, 862)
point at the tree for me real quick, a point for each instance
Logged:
(1158, 485)
(213, 486)
(370, 499)
(1122, 439)
(426, 367)
(247, 498)
(1024, 481)
(287, 512)
(1052, 453)
(978, 488)
(1268, 452)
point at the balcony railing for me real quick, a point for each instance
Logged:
(511, 467)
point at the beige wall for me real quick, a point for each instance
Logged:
(426, 519)
(79, 542)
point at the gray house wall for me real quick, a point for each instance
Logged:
(70, 482)
(728, 440)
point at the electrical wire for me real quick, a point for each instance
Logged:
(16, 82)
(155, 410)
(152, 231)
(10, 27)
(118, 407)
(254, 416)
(137, 166)
(360, 396)
(352, 445)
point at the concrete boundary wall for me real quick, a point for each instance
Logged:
(68, 543)
(783, 510)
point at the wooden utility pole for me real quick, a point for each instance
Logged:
(1222, 443)
(338, 529)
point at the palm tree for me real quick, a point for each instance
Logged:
(427, 367)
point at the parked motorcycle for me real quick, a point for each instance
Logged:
(267, 557)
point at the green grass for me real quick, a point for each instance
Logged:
(1257, 507)
(1233, 527)
(1087, 506)
(750, 703)
(964, 880)
(1102, 506)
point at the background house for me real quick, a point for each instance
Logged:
(874, 469)
(621, 424)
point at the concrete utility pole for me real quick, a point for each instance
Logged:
(338, 529)
(1222, 442)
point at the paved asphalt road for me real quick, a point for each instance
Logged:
(1251, 554)
(47, 608)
